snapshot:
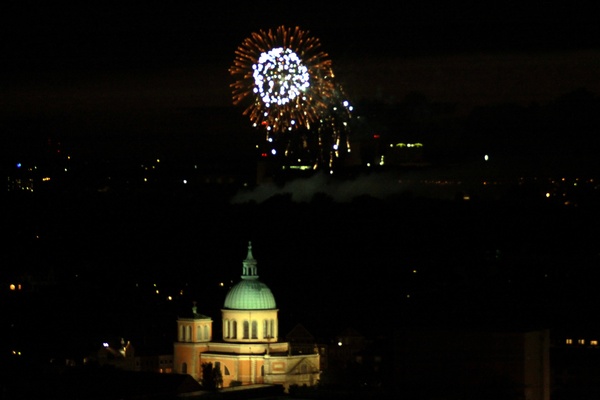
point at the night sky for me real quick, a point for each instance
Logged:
(112, 70)
(143, 78)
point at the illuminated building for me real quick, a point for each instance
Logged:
(249, 351)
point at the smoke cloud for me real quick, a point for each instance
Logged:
(380, 185)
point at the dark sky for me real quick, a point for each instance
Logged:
(136, 75)
(134, 66)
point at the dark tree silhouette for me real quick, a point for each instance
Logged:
(212, 378)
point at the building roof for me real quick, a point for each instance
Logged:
(300, 334)
(250, 293)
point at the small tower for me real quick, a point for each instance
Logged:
(194, 332)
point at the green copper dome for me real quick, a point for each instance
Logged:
(250, 293)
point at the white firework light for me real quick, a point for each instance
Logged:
(285, 82)
(280, 77)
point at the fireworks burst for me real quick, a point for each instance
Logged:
(286, 84)
(284, 78)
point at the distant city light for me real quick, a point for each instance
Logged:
(486, 157)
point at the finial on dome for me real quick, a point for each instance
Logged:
(249, 256)
(249, 271)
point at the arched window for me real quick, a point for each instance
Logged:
(234, 330)
(265, 329)
(262, 370)
(246, 330)
(184, 368)
(181, 333)
(198, 333)
(226, 328)
(206, 333)
(272, 328)
(188, 333)
(226, 370)
(254, 330)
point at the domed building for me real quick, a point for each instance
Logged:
(249, 351)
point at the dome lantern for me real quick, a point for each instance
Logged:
(249, 270)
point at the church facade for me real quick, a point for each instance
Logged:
(249, 351)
